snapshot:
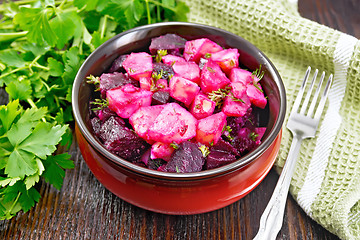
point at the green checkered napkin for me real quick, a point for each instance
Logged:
(326, 183)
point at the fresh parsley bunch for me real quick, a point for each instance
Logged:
(42, 45)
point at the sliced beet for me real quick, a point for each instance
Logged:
(173, 43)
(160, 97)
(187, 158)
(105, 113)
(218, 158)
(118, 64)
(236, 123)
(224, 146)
(96, 125)
(155, 163)
(112, 80)
(122, 141)
(221, 154)
(244, 143)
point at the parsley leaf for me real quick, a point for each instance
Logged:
(55, 166)
(41, 50)
(64, 27)
(20, 163)
(11, 58)
(43, 139)
(8, 114)
(19, 89)
(56, 67)
(72, 62)
(35, 20)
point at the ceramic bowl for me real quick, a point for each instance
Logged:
(178, 193)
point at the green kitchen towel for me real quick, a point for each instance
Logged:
(326, 183)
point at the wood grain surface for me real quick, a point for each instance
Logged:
(84, 209)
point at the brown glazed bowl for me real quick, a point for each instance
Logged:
(178, 193)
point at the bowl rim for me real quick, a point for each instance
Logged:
(239, 163)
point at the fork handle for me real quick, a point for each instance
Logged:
(272, 218)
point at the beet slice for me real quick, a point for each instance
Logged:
(221, 154)
(173, 43)
(117, 65)
(243, 142)
(160, 97)
(217, 159)
(120, 140)
(187, 158)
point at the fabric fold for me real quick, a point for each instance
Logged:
(326, 178)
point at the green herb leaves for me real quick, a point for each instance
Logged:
(27, 143)
(42, 46)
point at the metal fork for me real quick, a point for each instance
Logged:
(302, 123)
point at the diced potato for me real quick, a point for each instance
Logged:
(212, 77)
(209, 129)
(260, 131)
(126, 99)
(173, 124)
(145, 83)
(138, 65)
(143, 119)
(198, 48)
(238, 89)
(188, 70)
(236, 108)
(256, 95)
(202, 106)
(227, 59)
(183, 90)
(161, 150)
(172, 59)
(242, 75)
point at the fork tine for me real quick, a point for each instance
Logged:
(313, 102)
(323, 98)
(301, 91)
(308, 95)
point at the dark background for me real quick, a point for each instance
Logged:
(85, 210)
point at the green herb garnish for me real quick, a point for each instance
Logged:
(174, 145)
(204, 150)
(253, 136)
(42, 46)
(219, 95)
(226, 131)
(160, 54)
(100, 103)
(258, 73)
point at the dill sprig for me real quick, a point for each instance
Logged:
(253, 136)
(160, 54)
(219, 95)
(258, 73)
(94, 80)
(174, 145)
(231, 95)
(226, 131)
(100, 103)
(204, 150)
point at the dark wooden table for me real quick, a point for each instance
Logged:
(84, 209)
